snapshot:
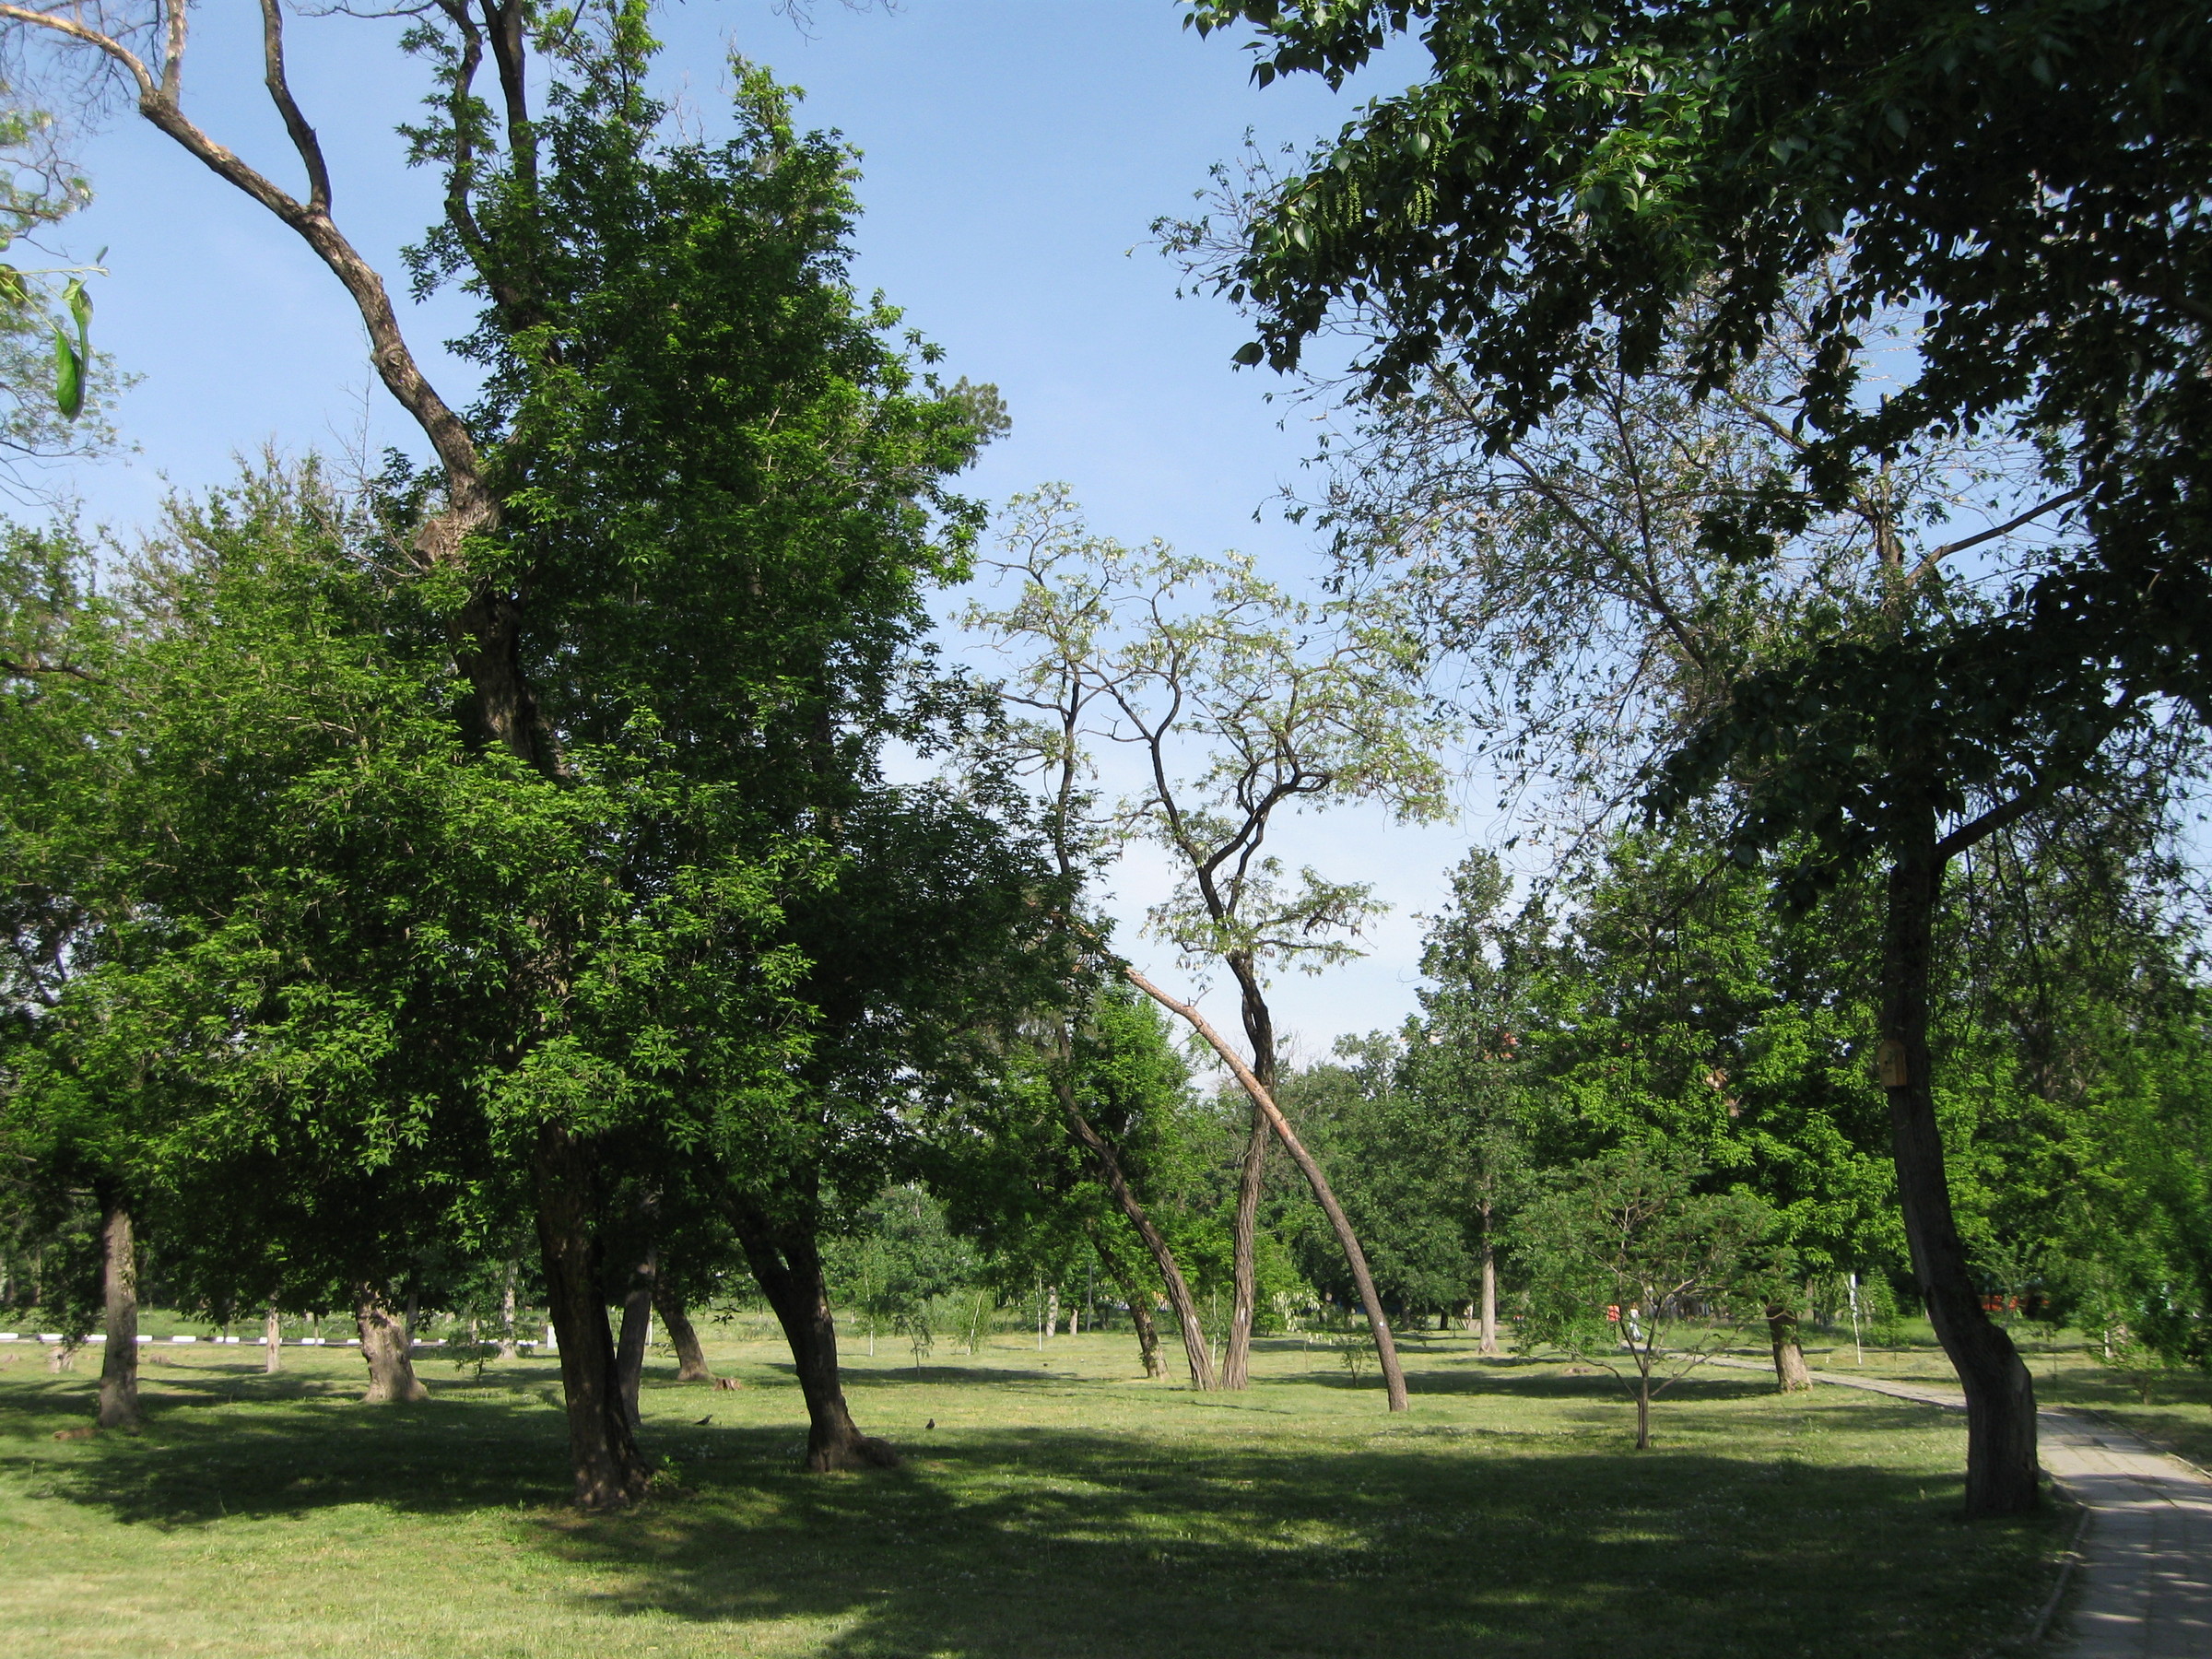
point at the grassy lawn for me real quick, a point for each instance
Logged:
(2067, 1372)
(1057, 1509)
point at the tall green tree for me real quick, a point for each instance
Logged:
(1534, 214)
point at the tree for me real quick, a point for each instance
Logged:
(1237, 702)
(666, 771)
(1630, 1270)
(1534, 214)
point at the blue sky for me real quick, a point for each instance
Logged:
(1015, 154)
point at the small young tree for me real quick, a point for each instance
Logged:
(1630, 1268)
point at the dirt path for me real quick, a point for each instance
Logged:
(2146, 1572)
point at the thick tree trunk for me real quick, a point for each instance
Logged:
(385, 1349)
(789, 1269)
(2000, 1396)
(272, 1343)
(119, 1290)
(636, 1331)
(1790, 1374)
(1194, 1351)
(601, 1450)
(1252, 1174)
(1490, 1284)
(691, 1359)
(1051, 1311)
(1378, 1322)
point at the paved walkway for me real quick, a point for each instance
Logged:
(2147, 1554)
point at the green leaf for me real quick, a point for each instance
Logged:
(1249, 354)
(68, 376)
(79, 304)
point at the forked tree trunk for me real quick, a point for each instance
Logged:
(272, 1343)
(391, 1380)
(789, 1269)
(636, 1331)
(1378, 1322)
(601, 1450)
(1789, 1373)
(1490, 1284)
(1195, 1351)
(691, 1359)
(2000, 1396)
(118, 1291)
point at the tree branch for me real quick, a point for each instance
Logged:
(280, 93)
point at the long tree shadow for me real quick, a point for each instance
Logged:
(1036, 1543)
(1066, 1542)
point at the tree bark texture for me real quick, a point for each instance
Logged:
(1386, 1350)
(1196, 1352)
(637, 1331)
(1789, 1373)
(385, 1349)
(789, 1269)
(603, 1452)
(2000, 1396)
(118, 1291)
(676, 1319)
(272, 1343)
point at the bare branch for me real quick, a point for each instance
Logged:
(280, 93)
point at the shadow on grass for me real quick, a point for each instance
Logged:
(1398, 1537)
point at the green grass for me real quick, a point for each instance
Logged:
(1058, 1509)
(2067, 1372)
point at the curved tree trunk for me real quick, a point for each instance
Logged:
(1252, 1174)
(789, 1269)
(384, 1347)
(1378, 1322)
(2000, 1396)
(676, 1319)
(1195, 1350)
(601, 1450)
(118, 1291)
(1789, 1373)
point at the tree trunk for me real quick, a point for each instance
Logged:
(1490, 1284)
(1251, 1173)
(1195, 1350)
(272, 1342)
(119, 1290)
(391, 1380)
(1051, 1311)
(1790, 1374)
(789, 1269)
(601, 1450)
(1386, 1350)
(691, 1359)
(2000, 1396)
(507, 1342)
(1644, 1411)
(636, 1331)
(1148, 1334)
